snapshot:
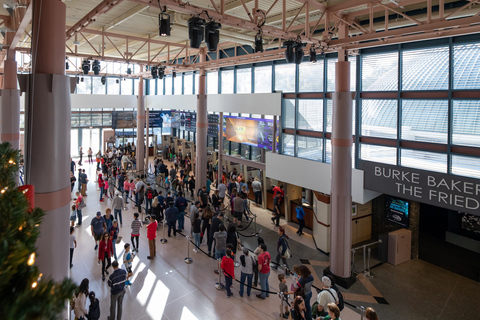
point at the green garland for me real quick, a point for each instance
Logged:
(24, 293)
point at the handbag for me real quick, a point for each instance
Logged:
(119, 239)
(288, 253)
(82, 204)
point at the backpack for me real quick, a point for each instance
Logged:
(149, 194)
(340, 304)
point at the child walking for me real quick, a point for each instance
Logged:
(136, 225)
(282, 287)
(127, 260)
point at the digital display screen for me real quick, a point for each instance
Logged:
(397, 211)
(212, 130)
(159, 119)
(250, 131)
(178, 120)
(124, 119)
(190, 121)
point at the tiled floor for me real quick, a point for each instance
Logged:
(168, 288)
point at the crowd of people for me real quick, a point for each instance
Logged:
(214, 221)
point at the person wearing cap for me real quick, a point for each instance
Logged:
(117, 206)
(248, 263)
(171, 217)
(327, 295)
(98, 226)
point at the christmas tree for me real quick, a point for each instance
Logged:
(24, 293)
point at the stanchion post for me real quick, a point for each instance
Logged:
(163, 240)
(188, 260)
(353, 261)
(368, 273)
(281, 304)
(362, 308)
(364, 257)
(219, 285)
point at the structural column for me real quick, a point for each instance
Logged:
(202, 125)
(140, 156)
(220, 148)
(341, 192)
(147, 128)
(47, 135)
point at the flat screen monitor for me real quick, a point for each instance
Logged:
(250, 131)
(397, 211)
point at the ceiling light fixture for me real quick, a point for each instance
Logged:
(174, 73)
(259, 41)
(164, 24)
(161, 72)
(299, 54)
(103, 80)
(86, 66)
(289, 53)
(154, 72)
(212, 35)
(196, 27)
(313, 55)
(96, 67)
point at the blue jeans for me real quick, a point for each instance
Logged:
(79, 216)
(228, 285)
(181, 220)
(114, 250)
(219, 254)
(263, 277)
(308, 314)
(196, 239)
(148, 204)
(101, 193)
(118, 213)
(249, 278)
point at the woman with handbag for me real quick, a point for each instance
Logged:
(283, 250)
(105, 252)
(80, 300)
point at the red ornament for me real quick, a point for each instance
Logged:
(29, 192)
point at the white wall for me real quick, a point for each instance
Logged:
(255, 103)
(98, 101)
(313, 175)
(183, 102)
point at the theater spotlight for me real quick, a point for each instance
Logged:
(299, 54)
(81, 79)
(196, 26)
(161, 72)
(154, 72)
(259, 42)
(96, 67)
(85, 66)
(129, 70)
(313, 55)
(103, 80)
(117, 81)
(174, 74)
(212, 35)
(289, 53)
(164, 24)
(67, 66)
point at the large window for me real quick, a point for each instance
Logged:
(417, 64)
(177, 84)
(288, 113)
(466, 63)
(168, 85)
(466, 122)
(380, 72)
(310, 77)
(188, 83)
(113, 86)
(288, 144)
(263, 79)
(212, 83)
(431, 161)
(378, 154)
(309, 148)
(97, 86)
(425, 120)
(310, 114)
(126, 87)
(227, 81)
(285, 77)
(244, 80)
(379, 118)
(84, 85)
(466, 166)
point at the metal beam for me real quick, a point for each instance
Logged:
(26, 18)
(100, 9)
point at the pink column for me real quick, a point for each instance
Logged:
(202, 125)
(10, 105)
(140, 128)
(48, 136)
(220, 148)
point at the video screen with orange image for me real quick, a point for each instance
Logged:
(250, 131)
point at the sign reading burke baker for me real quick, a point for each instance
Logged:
(437, 189)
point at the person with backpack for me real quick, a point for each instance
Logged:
(248, 264)
(148, 197)
(305, 283)
(94, 308)
(181, 204)
(327, 295)
(282, 247)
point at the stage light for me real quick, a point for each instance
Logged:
(174, 73)
(96, 67)
(313, 55)
(129, 70)
(78, 80)
(67, 66)
(81, 79)
(161, 72)
(289, 53)
(85, 66)
(117, 81)
(154, 72)
(212, 35)
(164, 24)
(259, 42)
(103, 80)
(196, 26)
(299, 54)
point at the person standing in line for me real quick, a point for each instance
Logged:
(214, 228)
(139, 194)
(257, 191)
(148, 198)
(111, 186)
(276, 210)
(98, 158)
(72, 181)
(222, 188)
(79, 204)
(237, 209)
(73, 245)
(248, 263)
(191, 185)
(264, 271)
(306, 282)
(84, 181)
(116, 282)
(301, 219)
(136, 225)
(228, 271)
(220, 242)
(282, 246)
(207, 216)
(80, 299)
(105, 252)
(73, 166)
(181, 204)
(108, 218)
(79, 181)
(196, 230)
(101, 185)
(97, 227)
(371, 314)
(94, 308)
(171, 216)
(117, 206)
(127, 188)
(299, 310)
(127, 260)
(113, 231)
(90, 154)
(151, 236)
(80, 152)
(216, 201)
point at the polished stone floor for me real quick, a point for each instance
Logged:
(168, 288)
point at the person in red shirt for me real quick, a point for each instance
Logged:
(105, 251)
(228, 271)
(264, 270)
(151, 235)
(278, 189)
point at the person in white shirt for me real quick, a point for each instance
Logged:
(326, 296)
